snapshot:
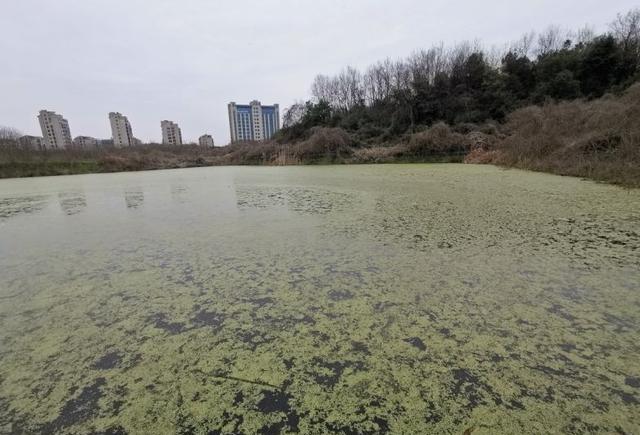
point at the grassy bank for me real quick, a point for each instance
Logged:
(15, 162)
(324, 146)
(47, 167)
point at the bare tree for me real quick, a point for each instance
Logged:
(9, 134)
(293, 114)
(523, 46)
(457, 57)
(400, 76)
(425, 65)
(370, 89)
(584, 35)
(550, 40)
(495, 54)
(626, 29)
(351, 90)
(320, 88)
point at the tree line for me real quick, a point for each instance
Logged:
(468, 83)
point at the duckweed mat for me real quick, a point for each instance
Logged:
(404, 299)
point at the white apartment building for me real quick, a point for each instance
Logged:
(121, 130)
(206, 140)
(86, 142)
(253, 122)
(171, 133)
(55, 130)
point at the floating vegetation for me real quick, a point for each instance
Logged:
(72, 202)
(134, 199)
(365, 300)
(15, 206)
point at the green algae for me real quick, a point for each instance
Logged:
(367, 299)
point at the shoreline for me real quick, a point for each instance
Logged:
(453, 161)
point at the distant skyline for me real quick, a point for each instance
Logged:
(186, 60)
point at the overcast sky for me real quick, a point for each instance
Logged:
(185, 60)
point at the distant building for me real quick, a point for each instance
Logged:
(171, 133)
(206, 140)
(31, 142)
(55, 130)
(121, 132)
(86, 142)
(253, 122)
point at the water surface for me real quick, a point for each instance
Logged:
(352, 299)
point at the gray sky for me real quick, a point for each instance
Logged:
(185, 60)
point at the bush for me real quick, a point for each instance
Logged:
(378, 154)
(438, 140)
(325, 143)
(465, 128)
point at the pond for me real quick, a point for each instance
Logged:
(350, 299)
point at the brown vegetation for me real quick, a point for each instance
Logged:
(597, 139)
(324, 145)
(17, 162)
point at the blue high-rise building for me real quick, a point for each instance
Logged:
(253, 121)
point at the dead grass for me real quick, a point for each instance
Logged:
(597, 139)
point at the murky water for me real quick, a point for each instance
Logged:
(361, 299)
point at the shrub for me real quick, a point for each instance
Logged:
(378, 154)
(439, 139)
(325, 143)
(465, 128)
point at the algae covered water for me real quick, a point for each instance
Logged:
(352, 299)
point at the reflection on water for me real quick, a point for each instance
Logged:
(386, 299)
(72, 202)
(15, 206)
(179, 192)
(134, 198)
